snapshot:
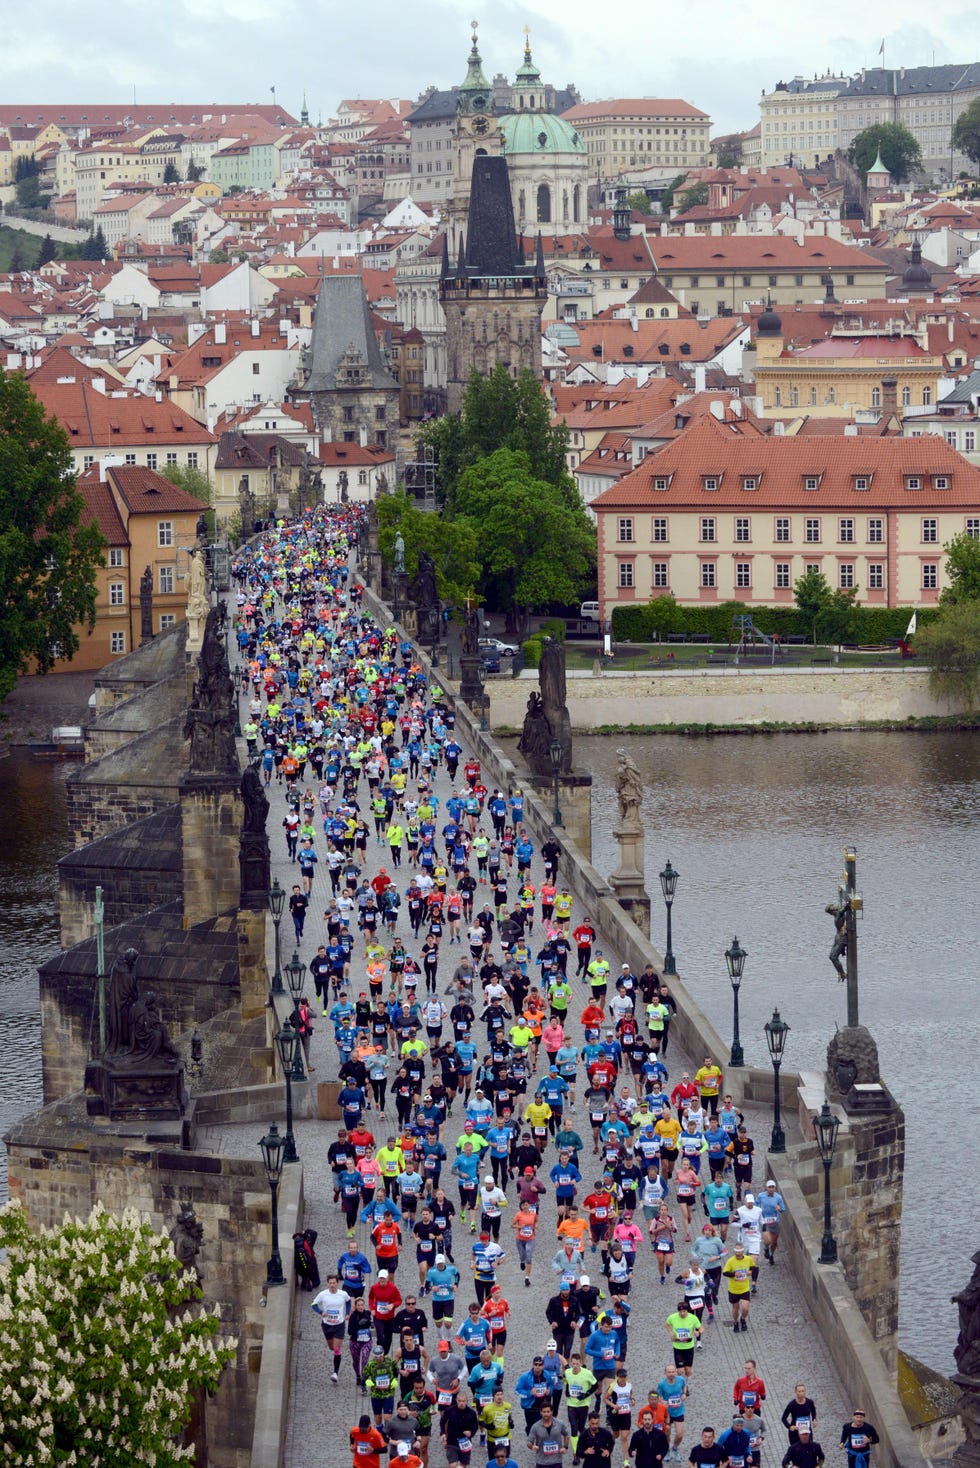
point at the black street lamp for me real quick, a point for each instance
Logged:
(668, 883)
(825, 1128)
(735, 958)
(776, 1032)
(277, 903)
(434, 618)
(482, 675)
(557, 752)
(288, 1043)
(272, 1145)
(295, 975)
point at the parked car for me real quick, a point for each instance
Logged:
(502, 649)
(489, 658)
(589, 611)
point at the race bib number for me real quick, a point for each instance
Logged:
(682, 1335)
(382, 1382)
(444, 1398)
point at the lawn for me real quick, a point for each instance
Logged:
(11, 240)
(660, 656)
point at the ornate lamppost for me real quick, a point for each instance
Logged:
(277, 904)
(272, 1145)
(556, 750)
(735, 958)
(776, 1031)
(295, 975)
(668, 885)
(288, 1044)
(825, 1128)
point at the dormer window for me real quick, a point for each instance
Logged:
(861, 481)
(811, 482)
(913, 482)
(749, 481)
(940, 481)
(660, 483)
(710, 481)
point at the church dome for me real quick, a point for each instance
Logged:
(769, 323)
(916, 274)
(539, 133)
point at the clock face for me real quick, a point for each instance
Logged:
(481, 125)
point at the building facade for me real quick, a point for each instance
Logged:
(355, 398)
(798, 121)
(629, 132)
(926, 100)
(717, 517)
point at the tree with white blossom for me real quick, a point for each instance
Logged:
(101, 1352)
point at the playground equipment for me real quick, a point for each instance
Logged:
(745, 635)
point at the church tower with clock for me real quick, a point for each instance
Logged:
(477, 134)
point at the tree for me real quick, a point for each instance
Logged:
(811, 594)
(690, 198)
(667, 197)
(95, 247)
(537, 546)
(102, 1354)
(219, 257)
(499, 412)
(49, 551)
(190, 480)
(966, 132)
(963, 570)
(452, 544)
(195, 172)
(835, 620)
(48, 251)
(639, 201)
(900, 152)
(171, 173)
(951, 647)
(16, 260)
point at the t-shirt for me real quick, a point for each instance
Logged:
(739, 1274)
(546, 1442)
(683, 1329)
(332, 1307)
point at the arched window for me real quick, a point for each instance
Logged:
(665, 311)
(813, 397)
(876, 397)
(906, 397)
(831, 395)
(926, 396)
(544, 204)
(577, 203)
(521, 206)
(794, 397)
(649, 312)
(779, 397)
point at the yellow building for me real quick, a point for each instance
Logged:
(717, 275)
(845, 373)
(637, 132)
(718, 515)
(798, 122)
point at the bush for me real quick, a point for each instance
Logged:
(663, 615)
(553, 627)
(531, 650)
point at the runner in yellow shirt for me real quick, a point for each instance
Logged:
(708, 1079)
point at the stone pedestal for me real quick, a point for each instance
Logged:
(211, 819)
(252, 966)
(153, 1092)
(410, 622)
(372, 570)
(628, 881)
(470, 687)
(575, 804)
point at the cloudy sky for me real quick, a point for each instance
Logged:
(235, 50)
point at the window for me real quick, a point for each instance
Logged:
(969, 441)
(746, 280)
(710, 481)
(379, 412)
(625, 528)
(151, 461)
(171, 457)
(782, 576)
(950, 437)
(930, 530)
(660, 483)
(876, 576)
(117, 642)
(846, 531)
(940, 481)
(811, 531)
(743, 528)
(743, 573)
(626, 573)
(906, 396)
(861, 481)
(930, 575)
(876, 531)
(88, 460)
(749, 481)
(167, 619)
(115, 557)
(846, 577)
(256, 368)
(166, 580)
(129, 459)
(165, 532)
(707, 573)
(876, 397)
(973, 528)
(660, 576)
(708, 528)
(813, 566)
(782, 530)
(926, 396)
(811, 482)
(660, 529)
(192, 459)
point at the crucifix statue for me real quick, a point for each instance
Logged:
(844, 912)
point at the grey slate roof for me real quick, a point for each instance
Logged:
(436, 108)
(888, 82)
(491, 244)
(343, 320)
(965, 391)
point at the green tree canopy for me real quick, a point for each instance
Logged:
(171, 174)
(452, 544)
(101, 1353)
(48, 251)
(499, 412)
(667, 197)
(690, 198)
(535, 541)
(900, 152)
(951, 647)
(963, 570)
(190, 480)
(49, 551)
(836, 621)
(639, 200)
(966, 132)
(811, 594)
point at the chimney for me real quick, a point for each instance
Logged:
(699, 377)
(256, 328)
(889, 395)
(779, 428)
(220, 334)
(717, 410)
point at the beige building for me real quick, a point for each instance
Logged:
(798, 121)
(718, 516)
(717, 275)
(926, 100)
(630, 132)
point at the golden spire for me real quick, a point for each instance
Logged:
(527, 43)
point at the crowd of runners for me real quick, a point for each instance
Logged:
(493, 1069)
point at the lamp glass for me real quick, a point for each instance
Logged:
(286, 1041)
(776, 1031)
(668, 881)
(277, 899)
(825, 1129)
(272, 1145)
(482, 673)
(735, 958)
(556, 750)
(295, 971)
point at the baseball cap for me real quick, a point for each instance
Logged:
(443, 1346)
(529, 1172)
(489, 1179)
(378, 1351)
(750, 1197)
(551, 1346)
(382, 1274)
(402, 1450)
(584, 1280)
(440, 1258)
(771, 1183)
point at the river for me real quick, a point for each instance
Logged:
(756, 827)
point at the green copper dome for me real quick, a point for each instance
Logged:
(539, 132)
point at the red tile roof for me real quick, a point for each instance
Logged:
(145, 492)
(633, 107)
(102, 507)
(96, 420)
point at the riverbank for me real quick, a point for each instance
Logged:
(40, 704)
(930, 724)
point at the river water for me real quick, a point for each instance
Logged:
(755, 826)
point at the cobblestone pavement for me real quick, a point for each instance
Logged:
(782, 1336)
